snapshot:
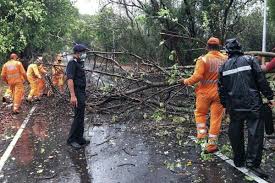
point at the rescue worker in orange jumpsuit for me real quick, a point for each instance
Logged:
(58, 73)
(7, 97)
(207, 97)
(33, 76)
(14, 74)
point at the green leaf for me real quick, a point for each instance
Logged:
(248, 178)
(171, 57)
(162, 42)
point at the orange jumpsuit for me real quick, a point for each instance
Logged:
(41, 81)
(33, 76)
(58, 76)
(14, 74)
(207, 97)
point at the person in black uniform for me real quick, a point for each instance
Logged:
(241, 82)
(77, 84)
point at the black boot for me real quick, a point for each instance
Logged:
(84, 142)
(74, 145)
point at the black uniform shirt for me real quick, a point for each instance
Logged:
(76, 72)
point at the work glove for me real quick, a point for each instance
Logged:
(181, 81)
(184, 81)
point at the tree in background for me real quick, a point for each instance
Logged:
(182, 27)
(30, 27)
(54, 32)
(167, 31)
(17, 21)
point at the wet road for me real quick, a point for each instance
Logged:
(117, 154)
(41, 155)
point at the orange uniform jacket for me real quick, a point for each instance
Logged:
(33, 75)
(58, 69)
(58, 74)
(33, 72)
(13, 72)
(206, 71)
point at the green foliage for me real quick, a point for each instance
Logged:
(178, 119)
(271, 4)
(55, 31)
(106, 88)
(170, 165)
(159, 114)
(180, 134)
(162, 42)
(174, 75)
(173, 55)
(17, 20)
(249, 179)
(226, 150)
(114, 118)
(35, 26)
(164, 13)
(207, 157)
(141, 19)
(205, 23)
(162, 133)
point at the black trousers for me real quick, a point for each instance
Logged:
(253, 155)
(77, 128)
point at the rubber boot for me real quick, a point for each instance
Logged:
(211, 146)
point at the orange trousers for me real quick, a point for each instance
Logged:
(59, 82)
(204, 103)
(18, 94)
(41, 86)
(34, 92)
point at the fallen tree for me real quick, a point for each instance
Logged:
(141, 83)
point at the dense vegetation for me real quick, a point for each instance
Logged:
(168, 31)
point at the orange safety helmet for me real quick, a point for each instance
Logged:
(13, 56)
(213, 41)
